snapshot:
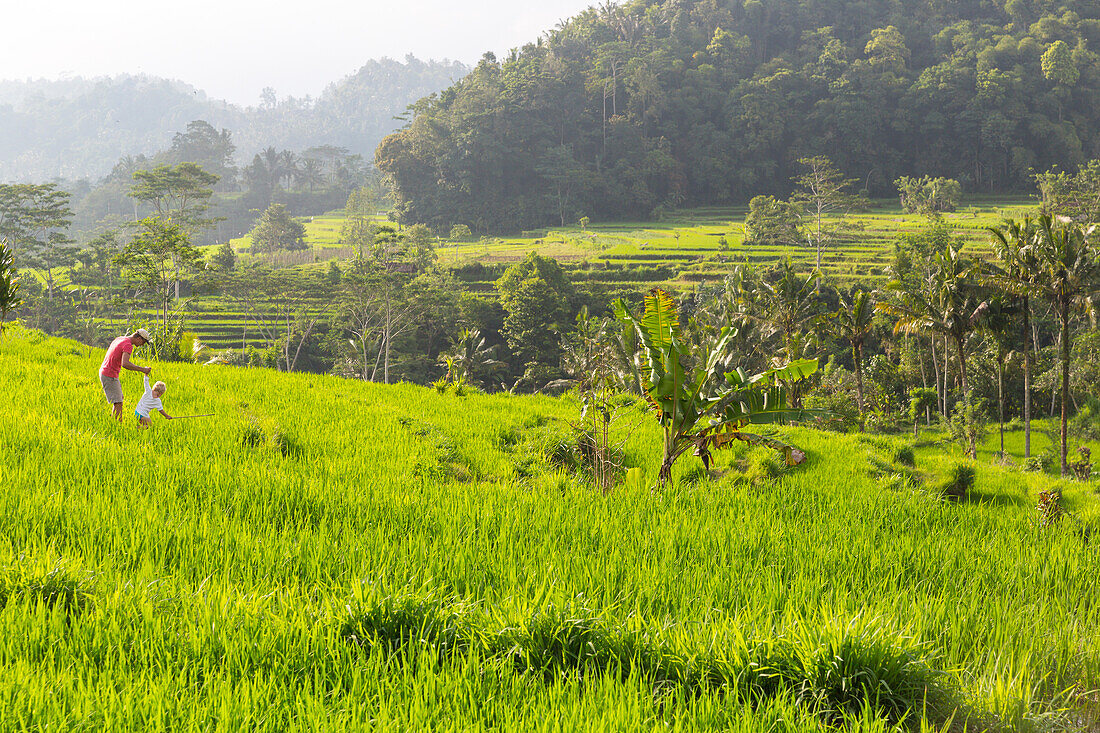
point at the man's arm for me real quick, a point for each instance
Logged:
(134, 367)
(166, 415)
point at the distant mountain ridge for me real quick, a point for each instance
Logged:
(79, 128)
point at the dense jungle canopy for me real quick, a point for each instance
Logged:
(627, 108)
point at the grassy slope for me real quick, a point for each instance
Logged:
(209, 580)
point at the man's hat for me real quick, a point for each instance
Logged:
(144, 334)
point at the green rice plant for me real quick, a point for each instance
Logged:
(904, 455)
(762, 465)
(55, 589)
(206, 578)
(845, 666)
(958, 482)
(413, 623)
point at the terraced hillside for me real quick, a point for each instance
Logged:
(330, 555)
(689, 248)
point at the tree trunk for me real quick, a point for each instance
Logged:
(1001, 402)
(941, 400)
(857, 357)
(1027, 384)
(387, 370)
(664, 475)
(962, 366)
(1065, 380)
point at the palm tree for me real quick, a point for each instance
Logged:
(1014, 245)
(996, 322)
(311, 172)
(854, 322)
(788, 306)
(946, 304)
(468, 356)
(288, 168)
(1069, 267)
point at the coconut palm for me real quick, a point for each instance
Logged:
(1069, 275)
(854, 322)
(946, 303)
(1014, 244)
(469, 356)
(997, 322)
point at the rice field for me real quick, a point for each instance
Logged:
(334, 555)
(679, 253)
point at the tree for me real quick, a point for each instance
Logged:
(420, 247)
(821, 190)
(159, 254)
(460, 233)
(279, 308)
(1076, 196)
(33, 222)
(928, 196)
(771, 221)
(535, 294)
(695, 407)
(277, 231)
(786, 304)
(179, 193)
(224, 258)
(854, 322)
(997, 322)
(1015, 246)
(947, 304)
(211, 148)
(311, 173)
(1069, 275)
(469, 359)
(9, 286)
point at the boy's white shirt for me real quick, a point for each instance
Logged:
(148, 402)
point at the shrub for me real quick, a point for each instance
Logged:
(904, 456)
(762, 464)
(1050, 506)
(1034, 463)
(959, 481)
(1082, 467)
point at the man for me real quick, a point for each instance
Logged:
(117, 359)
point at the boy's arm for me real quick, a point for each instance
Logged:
(166, 415)
(133, 367)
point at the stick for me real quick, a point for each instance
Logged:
(184, 417)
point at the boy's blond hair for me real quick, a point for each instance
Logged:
(160, 388)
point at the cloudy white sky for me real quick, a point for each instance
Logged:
(234, 48)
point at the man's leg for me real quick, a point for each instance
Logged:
(112, 390)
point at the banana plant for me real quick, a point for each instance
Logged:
(696, 407)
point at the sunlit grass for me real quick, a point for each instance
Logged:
(195, 572)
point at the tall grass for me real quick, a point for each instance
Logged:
(190, 577)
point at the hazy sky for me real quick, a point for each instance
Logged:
(234, 48)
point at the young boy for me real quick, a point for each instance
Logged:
(151, 401)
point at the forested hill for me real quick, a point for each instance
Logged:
(680, 102)
(77, 128)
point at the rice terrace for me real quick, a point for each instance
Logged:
(695, 365)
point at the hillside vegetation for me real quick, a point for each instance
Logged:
(662, 103)
(340, 555)
(79, 128)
